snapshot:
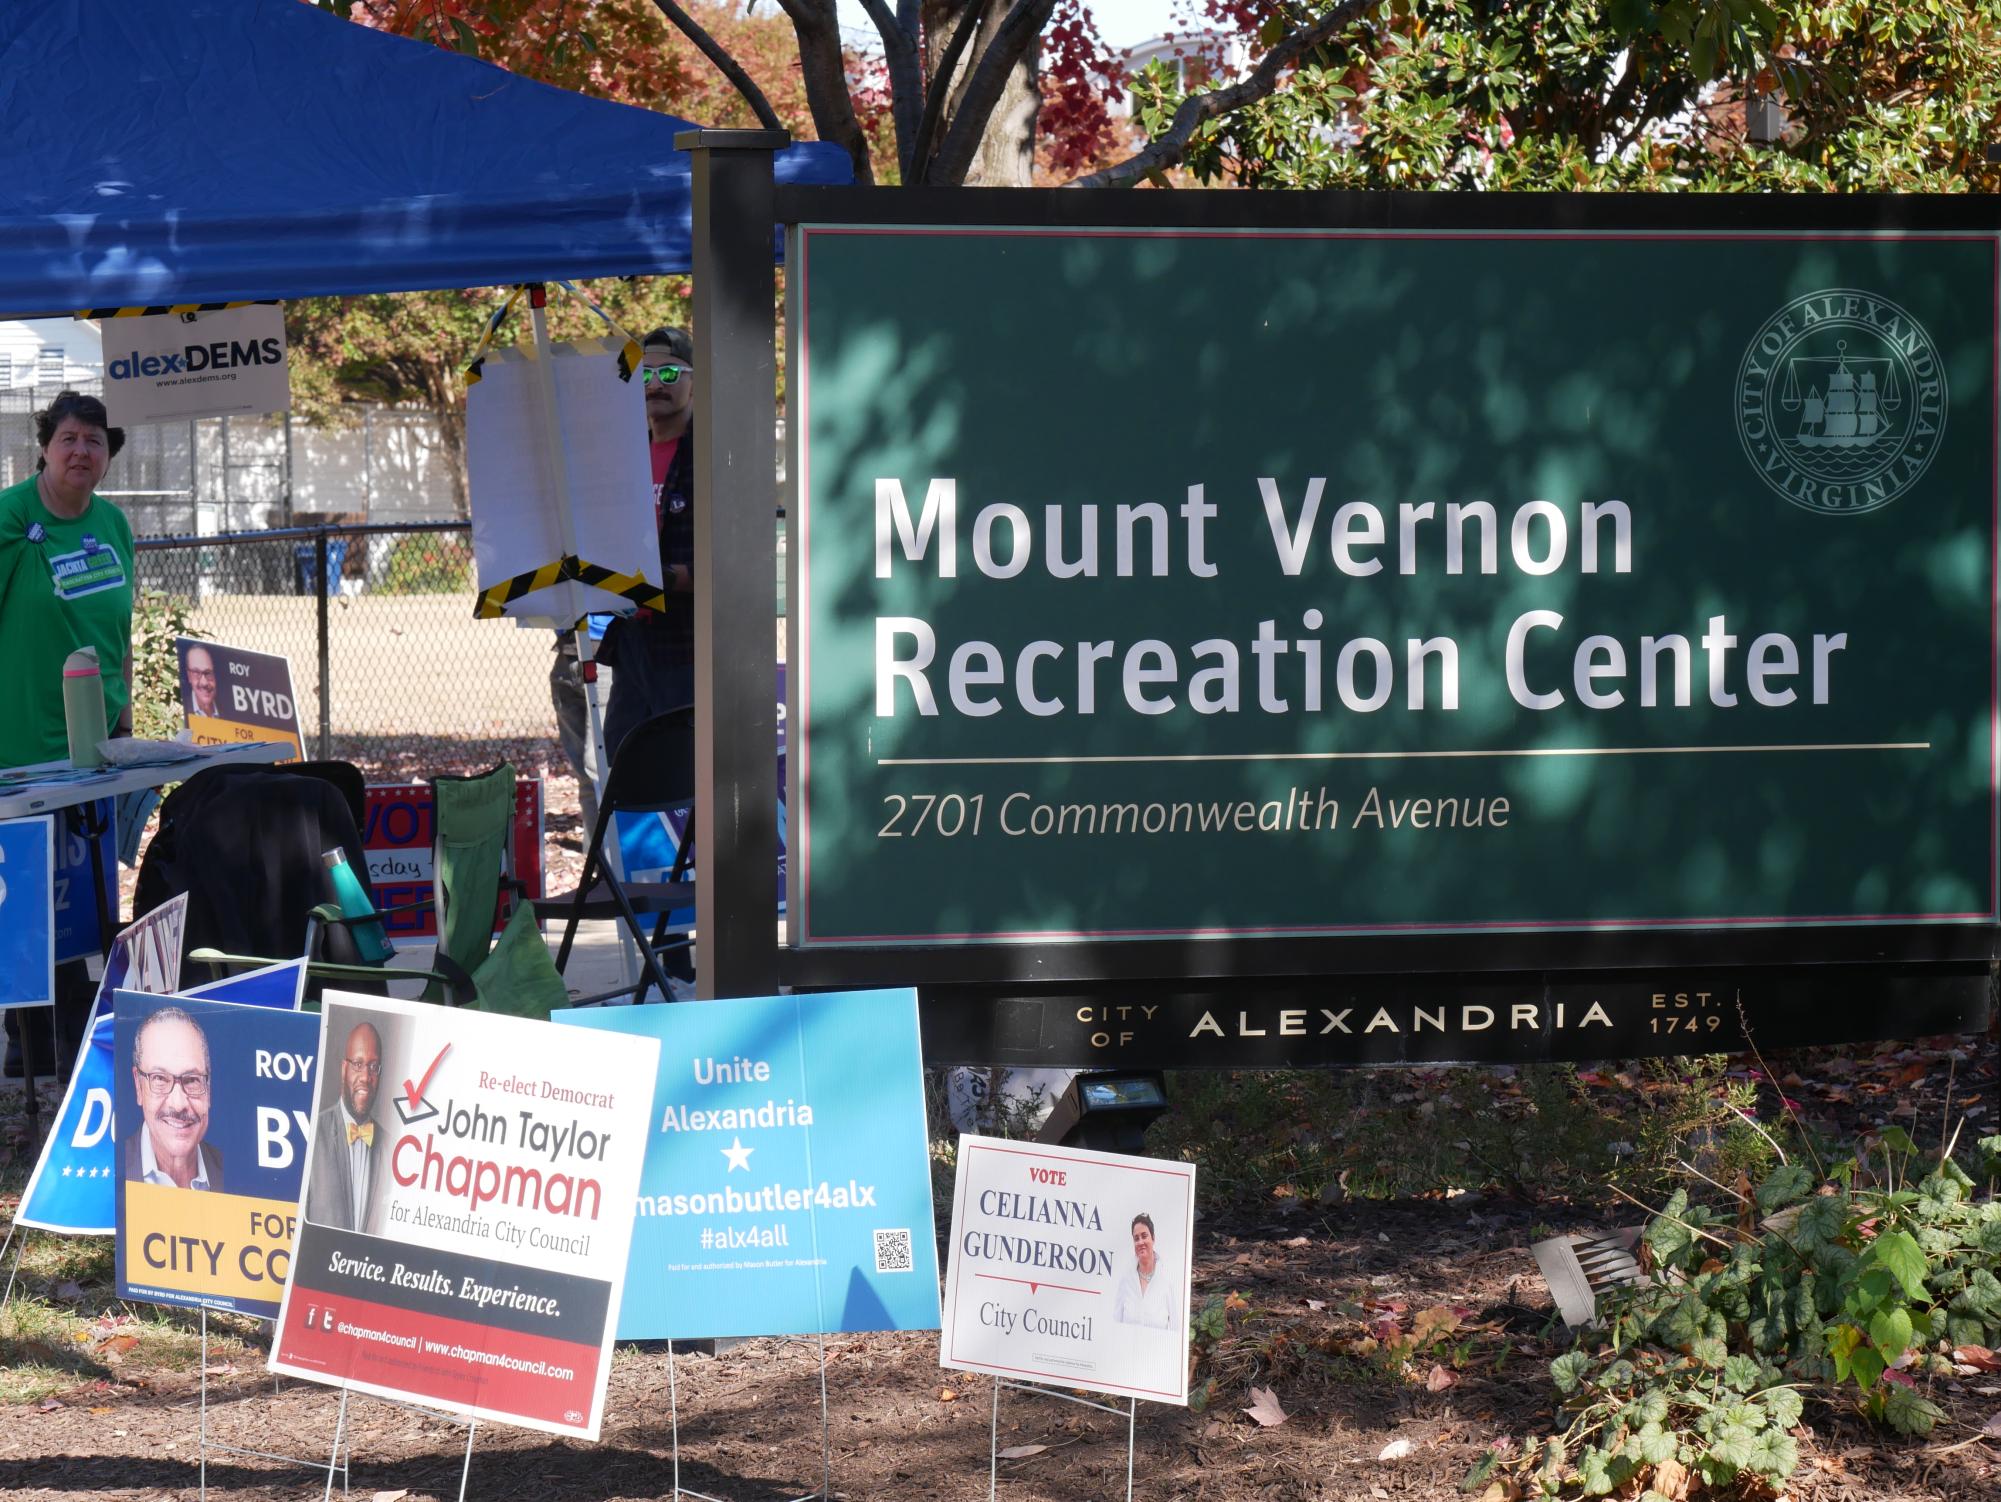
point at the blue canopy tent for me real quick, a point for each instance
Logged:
(192, 151)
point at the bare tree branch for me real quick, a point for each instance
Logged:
(825, 68)
(1011, 40)
(710, 48)
(906, 77)
(1196, 110)
(939, 92)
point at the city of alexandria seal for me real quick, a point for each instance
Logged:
(1841, 401)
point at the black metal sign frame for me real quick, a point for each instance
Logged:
(1228, 1001)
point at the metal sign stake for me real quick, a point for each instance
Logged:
(1130, 1413)
(826, 1490)
(206, 1444)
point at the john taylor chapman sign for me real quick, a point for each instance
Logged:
(1260, 582)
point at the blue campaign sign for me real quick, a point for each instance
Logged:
(73, 1189)
(27, 922)
(212, 1126)
(787, 1187)
(282, 985)
(77, 930)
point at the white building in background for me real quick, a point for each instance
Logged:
(50, 353)
(1203, 59)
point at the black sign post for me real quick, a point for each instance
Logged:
(736, 555)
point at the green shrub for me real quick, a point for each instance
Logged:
(426, 563)
(1852, 1289)
(157, 618)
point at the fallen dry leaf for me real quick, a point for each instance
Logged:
(1396, 1449)
(395, 1496)
(946, 1395)
(1265, 1408)
(1020, 1452)
(120, 1344)
(1316, 1303)
(1992, 1428)
(1978, 1357)
(1439, 1379)
(47, 1405)
(1671, 1479)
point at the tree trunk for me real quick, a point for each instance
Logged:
(1006, 154)
(451, 416)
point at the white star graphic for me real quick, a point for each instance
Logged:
(66, 1170)
(738, 1154)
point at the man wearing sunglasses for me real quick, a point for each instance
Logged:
(170, 1073)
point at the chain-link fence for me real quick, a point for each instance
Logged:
(389, 667)
(239, 474)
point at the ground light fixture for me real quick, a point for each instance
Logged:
(1107, 1110)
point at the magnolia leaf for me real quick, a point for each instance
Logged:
(1019, 1452)
(1265, 1408)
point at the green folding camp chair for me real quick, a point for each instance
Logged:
(470, 821)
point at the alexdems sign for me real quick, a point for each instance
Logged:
(1326, 583)
(163, 367)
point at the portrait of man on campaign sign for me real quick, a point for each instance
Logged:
(171, 1080)
(213, 1103)
(198, 688)
(349, 1144)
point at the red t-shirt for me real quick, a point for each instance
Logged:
(664, 451)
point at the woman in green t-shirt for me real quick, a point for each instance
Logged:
(65, 581)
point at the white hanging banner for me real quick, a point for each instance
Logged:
(514, 465)
(165, 367)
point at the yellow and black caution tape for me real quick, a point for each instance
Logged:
(494, 599)
(176, 307)
(628, 347)
(493, 323)
(629, 353)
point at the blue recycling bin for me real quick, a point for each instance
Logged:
(306, 563)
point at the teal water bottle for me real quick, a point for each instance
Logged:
(83, 707)
(369, 939)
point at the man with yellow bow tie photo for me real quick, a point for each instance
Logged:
(348, 1144)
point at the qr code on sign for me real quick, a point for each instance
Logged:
(892, 1252)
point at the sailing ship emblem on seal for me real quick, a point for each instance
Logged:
(1841, 401)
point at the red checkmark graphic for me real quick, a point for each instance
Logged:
(415, 1093)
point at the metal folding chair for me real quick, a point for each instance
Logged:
(653, 772)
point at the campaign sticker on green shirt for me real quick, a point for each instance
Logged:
(93, 567)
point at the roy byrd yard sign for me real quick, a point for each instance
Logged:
(1275, 583)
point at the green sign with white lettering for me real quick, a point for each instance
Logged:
(1164, 583)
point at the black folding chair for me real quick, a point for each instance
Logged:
(653, 772)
